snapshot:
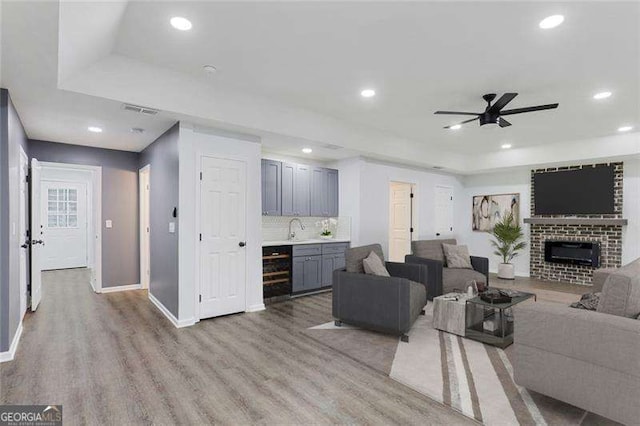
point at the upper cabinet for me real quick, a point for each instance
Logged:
(295, 189)
(324, 192)
(271, 188)
(298, 190)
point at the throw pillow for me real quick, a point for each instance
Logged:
(373, 265)
(457, 256)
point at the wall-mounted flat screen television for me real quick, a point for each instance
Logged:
(573, 192)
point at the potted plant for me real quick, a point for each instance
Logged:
(508, 242)
(326, 226)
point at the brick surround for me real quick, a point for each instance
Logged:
(609, 236)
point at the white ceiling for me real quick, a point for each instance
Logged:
(291, 73)
(420, 57)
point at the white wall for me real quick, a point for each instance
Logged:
(364, 195)
(499, 183)
(631, 211)
(193, 144)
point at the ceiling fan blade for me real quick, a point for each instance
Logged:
(456, 113)
(503, 123)
(528, 109)
(502, 102)
(462, 122)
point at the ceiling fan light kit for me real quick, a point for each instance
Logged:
(493, 112)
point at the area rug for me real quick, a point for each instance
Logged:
(468, 376)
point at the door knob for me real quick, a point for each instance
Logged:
(34, 242)
(26, 244)
(242, 244)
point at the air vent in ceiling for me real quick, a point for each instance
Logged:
(331, 146)
(139, 109)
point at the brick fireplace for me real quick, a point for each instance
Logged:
(606, 230)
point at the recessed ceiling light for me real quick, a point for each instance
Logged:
(180, 23)
(625, 128)
(368, 93)
(551, 22)
(506, 146)
(307, 150)
(602, 95)
(209, 69)
(455, 126)
(94, 129)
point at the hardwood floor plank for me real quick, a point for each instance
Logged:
(115, 356)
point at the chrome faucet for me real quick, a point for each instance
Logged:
(292, 235)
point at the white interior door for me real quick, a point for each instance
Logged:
(24, 237)
(223, 263)
(444, 211)
(400, 226)
(145, 227)
(64, 218)
(36, 235)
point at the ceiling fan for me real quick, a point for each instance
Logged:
(493, 113)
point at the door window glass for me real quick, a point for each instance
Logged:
(62, 208)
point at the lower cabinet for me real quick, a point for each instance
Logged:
(331, 262)
(307, 273)
(313, 265)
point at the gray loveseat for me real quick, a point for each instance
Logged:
(585, 358)
(441, 279)
(385, 304)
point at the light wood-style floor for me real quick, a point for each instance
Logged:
(115, 359)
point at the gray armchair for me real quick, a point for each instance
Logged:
(442, 280)
(385, 304)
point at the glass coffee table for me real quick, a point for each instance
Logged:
(492, 323)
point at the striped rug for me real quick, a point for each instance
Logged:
(470, 377)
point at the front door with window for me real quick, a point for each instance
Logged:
(64, 221)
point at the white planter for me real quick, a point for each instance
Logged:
(326, 237)
(506, 271)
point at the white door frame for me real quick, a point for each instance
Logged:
(144, 176)
(198, 292)
(24, 220)
(94, 211)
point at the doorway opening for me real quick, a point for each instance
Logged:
(145, 225)
(402, 208)
(66, 220)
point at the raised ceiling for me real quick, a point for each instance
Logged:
(297, 68)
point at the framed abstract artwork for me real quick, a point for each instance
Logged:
(489, 209)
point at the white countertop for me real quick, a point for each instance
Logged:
(299, 242)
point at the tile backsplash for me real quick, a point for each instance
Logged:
(276, 228)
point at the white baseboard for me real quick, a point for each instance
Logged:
(176, 322)
(255, 308)
(11, 353)
(121, 288)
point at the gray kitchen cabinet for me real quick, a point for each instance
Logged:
(295, 189)
(271, 188)
(306, 273)
(331, 262)
(332, 193)
(317, 191)
(324, 192)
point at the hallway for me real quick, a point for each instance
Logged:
(114, 358)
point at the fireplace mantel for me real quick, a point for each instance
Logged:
(575, 221)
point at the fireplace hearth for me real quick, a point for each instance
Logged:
(572, 253)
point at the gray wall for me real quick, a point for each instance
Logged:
(120, 244)
(12, 136)
(162, 155)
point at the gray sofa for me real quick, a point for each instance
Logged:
(441, 279)
(385, 304)
(585, 358)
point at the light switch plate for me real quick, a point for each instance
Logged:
(172, 227)
(108, 223)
